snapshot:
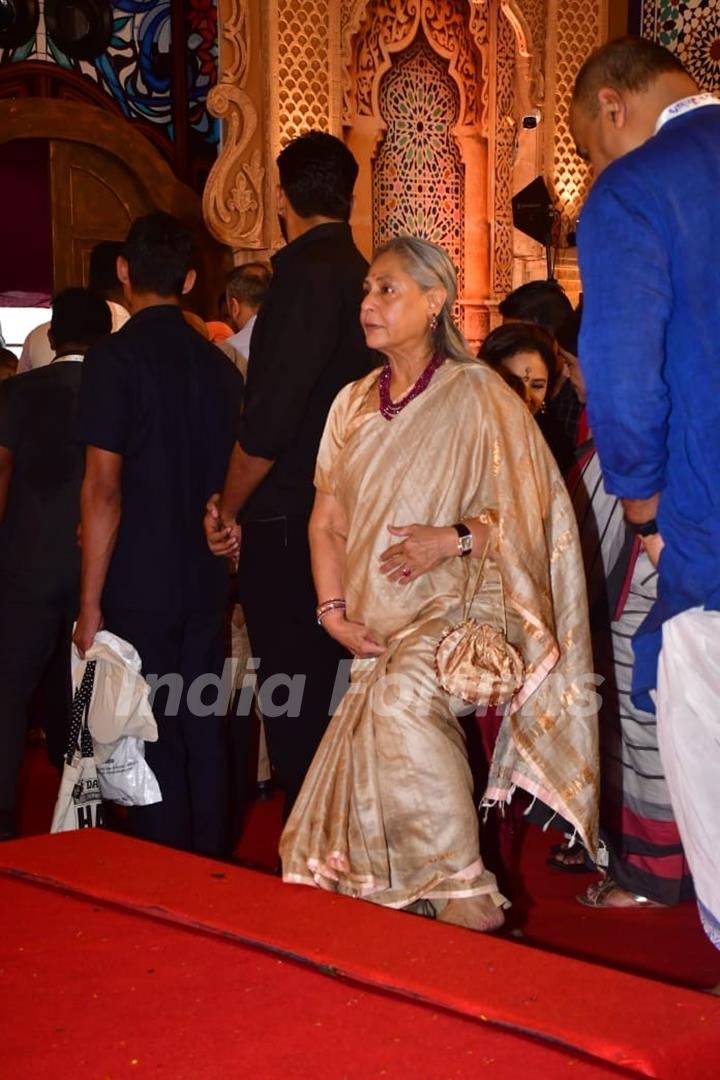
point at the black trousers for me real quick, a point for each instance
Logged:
(299, 673)
(182, 658)
(34, 630)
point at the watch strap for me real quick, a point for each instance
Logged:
(465, 539)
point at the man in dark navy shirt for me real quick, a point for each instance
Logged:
(158, 415)
(41, 469)
(307, 344)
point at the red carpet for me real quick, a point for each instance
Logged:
(98, 993)
(644, 1026)
(665, 944)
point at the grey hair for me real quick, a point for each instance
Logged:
(429, 267)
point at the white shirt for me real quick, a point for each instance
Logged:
(36, 350)
(685, 105)
(241, 340)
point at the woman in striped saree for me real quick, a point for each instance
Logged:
(644, 857)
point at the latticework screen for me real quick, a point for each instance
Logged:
(579, 28)
(303, 67)
(418, 175)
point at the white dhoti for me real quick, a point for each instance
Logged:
(688, 714)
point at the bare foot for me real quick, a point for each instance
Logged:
(474, 913)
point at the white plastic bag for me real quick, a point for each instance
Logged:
(125, 777)
(120, 704)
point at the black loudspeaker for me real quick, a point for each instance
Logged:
(534, 215)
(82, 29)
(18, 22)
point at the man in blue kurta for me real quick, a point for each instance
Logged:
(649, 238)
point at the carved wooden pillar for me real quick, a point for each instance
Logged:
(280, 75)
(478, 286)
(237, 193)
(363, 139)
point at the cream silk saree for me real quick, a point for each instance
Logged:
(386, 811)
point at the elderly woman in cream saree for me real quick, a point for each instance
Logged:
(386, 811)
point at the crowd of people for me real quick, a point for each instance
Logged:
(443, 560)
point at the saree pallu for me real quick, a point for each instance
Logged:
(637, 823)
(387, 811)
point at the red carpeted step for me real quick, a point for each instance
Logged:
(651, 1028)
(662, 944)
(667, 944)
(98, 992)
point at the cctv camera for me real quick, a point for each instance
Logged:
(531, 120)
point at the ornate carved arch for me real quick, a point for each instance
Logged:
(485, 74)
(369, 49)
(527, 18)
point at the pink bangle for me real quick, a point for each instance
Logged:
(329, 611)
(336, 604)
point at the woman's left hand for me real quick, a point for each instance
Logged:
(420, 548)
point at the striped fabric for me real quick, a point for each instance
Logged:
(637, 824)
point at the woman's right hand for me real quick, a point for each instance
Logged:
(353, 636)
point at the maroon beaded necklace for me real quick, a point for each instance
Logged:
(390, 408)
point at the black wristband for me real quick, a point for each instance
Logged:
(648, 528)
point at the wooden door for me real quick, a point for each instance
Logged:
(95, 196)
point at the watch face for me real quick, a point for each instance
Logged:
(466, 543)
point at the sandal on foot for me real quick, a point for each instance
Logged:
(571, 859)
(563, 845)
(425, 908)
(599, 896)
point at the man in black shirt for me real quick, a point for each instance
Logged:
(158, 414)
(41, 469)
(307, 344)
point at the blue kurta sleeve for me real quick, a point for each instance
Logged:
(627, 300)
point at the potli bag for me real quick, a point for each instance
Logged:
(79, 805)
(475, 662)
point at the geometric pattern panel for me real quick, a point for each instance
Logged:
(578, 32)
(303, 67)
(418, 174)
(136, 68)
(691, 30)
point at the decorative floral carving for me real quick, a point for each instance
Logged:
(236, 42)
(233, 198)
(534, 14)
(388, 26)
(502, 254)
